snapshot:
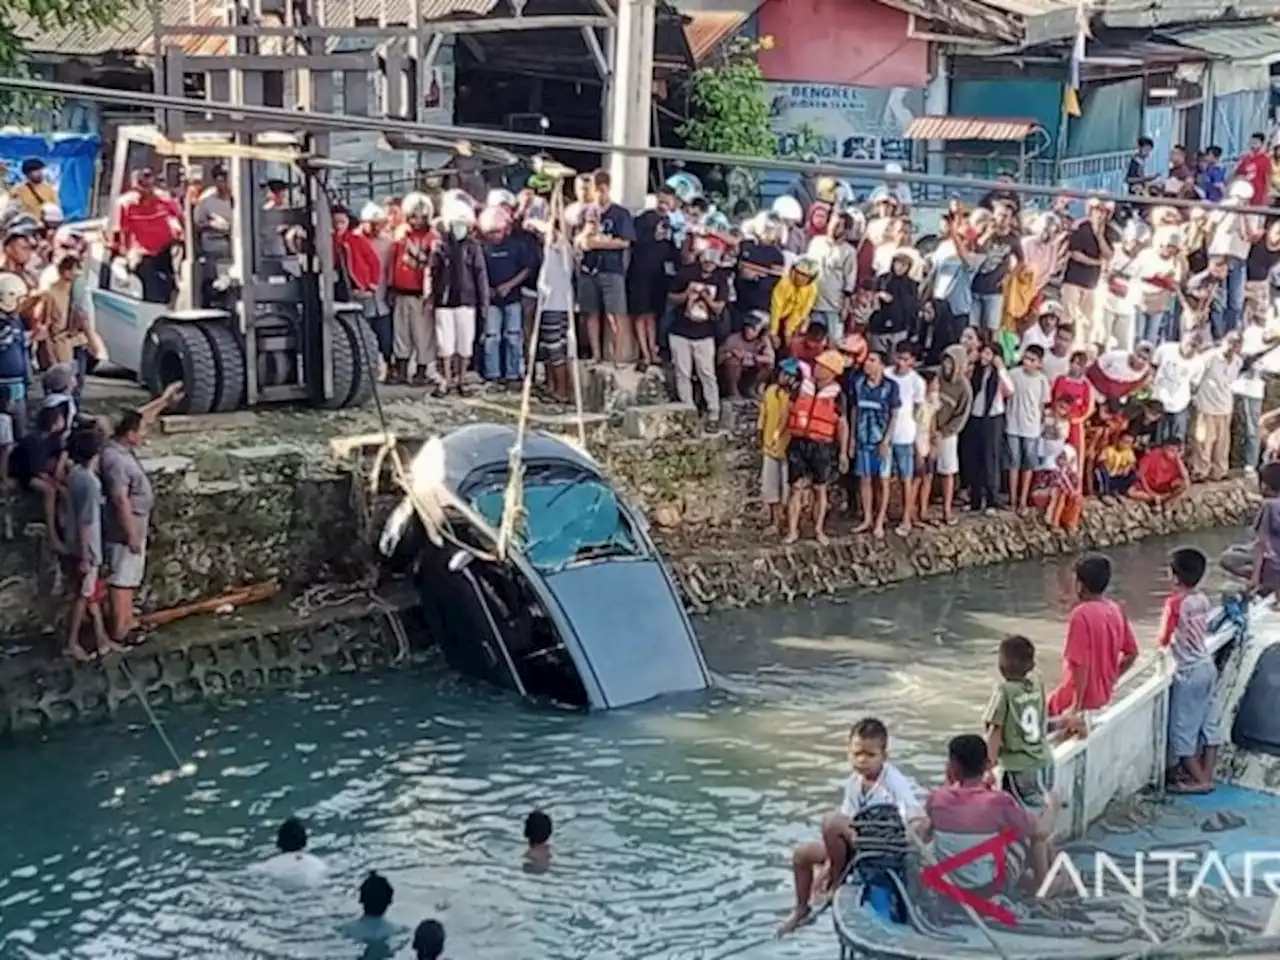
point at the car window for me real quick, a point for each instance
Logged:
(568, 519)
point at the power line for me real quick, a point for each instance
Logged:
(327, 122)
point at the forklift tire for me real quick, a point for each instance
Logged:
(366, 354)
(182, 352)
(345, 370)
(228, 362)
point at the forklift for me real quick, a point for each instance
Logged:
(256, 316)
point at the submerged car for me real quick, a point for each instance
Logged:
(578, 610)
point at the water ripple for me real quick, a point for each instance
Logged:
(673, 823)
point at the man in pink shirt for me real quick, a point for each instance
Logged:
(968, 811)
(1255, 166)
(1100, 643)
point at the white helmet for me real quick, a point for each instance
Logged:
(51, 214)
(417, 205)
(787, 209)
(453, 210)
(1241, 190)
(372, 213)
(493, 219)
(500, 198)
(13, 289)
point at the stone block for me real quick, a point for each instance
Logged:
(660, 421)
(269, 461)
(609, 389)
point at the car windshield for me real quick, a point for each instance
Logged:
(570, 517)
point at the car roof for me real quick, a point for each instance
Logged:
(482, 446)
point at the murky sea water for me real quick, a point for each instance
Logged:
(673, 822)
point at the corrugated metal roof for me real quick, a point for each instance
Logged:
(706, 31)
(131, 33)
(1001, 129)
(1240, 42)
(1059, 23)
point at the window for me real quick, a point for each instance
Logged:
(571, 516)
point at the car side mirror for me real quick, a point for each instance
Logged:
(459, 561)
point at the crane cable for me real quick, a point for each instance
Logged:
(313, 122)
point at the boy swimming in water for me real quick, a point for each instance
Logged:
(874, 782)
(537, 831)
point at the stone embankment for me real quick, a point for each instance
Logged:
(231, 511)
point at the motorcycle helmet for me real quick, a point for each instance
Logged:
(787, 209)
(417, 206)
(500, 198)
(685, 186)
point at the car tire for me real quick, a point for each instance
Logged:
(183, 347)
(229, 365)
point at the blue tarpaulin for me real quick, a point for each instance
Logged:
(70, 162)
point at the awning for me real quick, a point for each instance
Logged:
(706, 31)
(1249, 43)
(971, 128)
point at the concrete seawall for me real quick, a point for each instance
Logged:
(240, 516)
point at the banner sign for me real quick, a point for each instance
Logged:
(71, 163)
(850, 123)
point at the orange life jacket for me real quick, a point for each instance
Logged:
(815, 414)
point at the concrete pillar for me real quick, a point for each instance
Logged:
(937, 103)
(631, 98)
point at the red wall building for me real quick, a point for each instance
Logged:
(848, 42)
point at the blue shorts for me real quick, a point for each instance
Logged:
(904, 460)
(867, 462)
(1022, 453)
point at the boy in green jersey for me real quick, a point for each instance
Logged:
(1017, 727)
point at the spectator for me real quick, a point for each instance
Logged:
(792, 301)
(772, 429)
(1116, 469)
(903, 435)
(874, 399)
(650, 273)
(602, 292)
(1255, 169)
(700, 294)
(1212, 178)
(897, 316)
(412, 320)
(747, 357)
(1256, 340)
(34, 191)
(508, 265)
(1001, 249)
(837, 262)
(1100, 643)
(81, 526)
(1138, 178)
(1177, 367)
(459, 283)
(1089, 249)
(982, 442)
(1157, 276)
(1162, 475)
(1233, 235)
(127, 519)
(1024, 424)
(818, 425)
(1211, 449)
(955, 403)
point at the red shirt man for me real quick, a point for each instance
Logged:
(1255, 166)
(149, 220)
(1100, 643)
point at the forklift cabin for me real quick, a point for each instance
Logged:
(255, 316)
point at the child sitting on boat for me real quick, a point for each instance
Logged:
(1193, 734)
(874, 782)
(967, 812)
(1018, 726)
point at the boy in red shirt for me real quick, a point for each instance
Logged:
(1162, 475)
(1100, 643)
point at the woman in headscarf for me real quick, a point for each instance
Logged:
(982, 441)
(955, 402)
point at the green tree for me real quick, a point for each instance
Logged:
(729, 114)
(20, 20)
(729, 104)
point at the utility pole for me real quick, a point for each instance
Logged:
(631, 107)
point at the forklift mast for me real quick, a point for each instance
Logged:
(301, 72)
